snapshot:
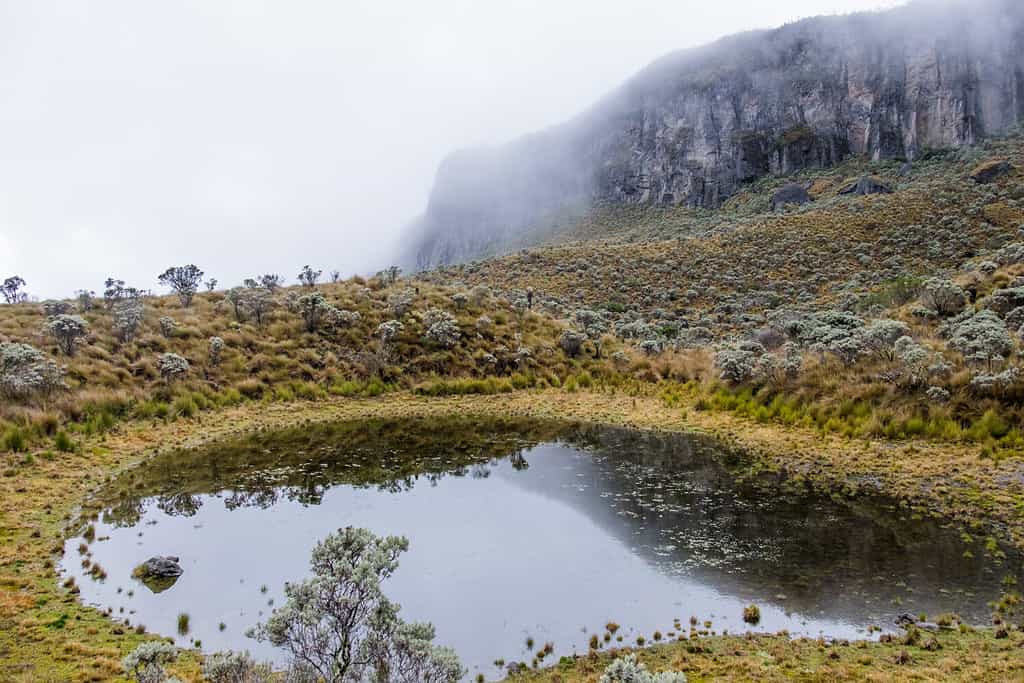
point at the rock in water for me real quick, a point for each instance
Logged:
(162, 566)
(159, 573)
(791, 193)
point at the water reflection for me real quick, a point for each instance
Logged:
(523, 529)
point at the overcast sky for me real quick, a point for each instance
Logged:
(249, 136)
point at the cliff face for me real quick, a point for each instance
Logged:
(694, 126)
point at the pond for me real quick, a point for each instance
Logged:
(521, 530)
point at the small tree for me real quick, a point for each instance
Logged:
(335, 276)
(85, 300)
(184, 280)
(258, 303)
(128, 316)
(312, 307)
(308, 277)
(269, 282)
(172, 367)
(11, 289)
(211, 284)
(339, 625)
(67, 330)
(593, 326)
(116, 290)
(390, 275)
(236, 297)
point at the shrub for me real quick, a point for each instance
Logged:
(571, 342)
(752, 614)
(442, 328)
(628, 670)
(982, 338)
(879, 337)
(171, 366)
(67, 330)
(1002, 301)
(168, 326)
(313, 308)
(63, 443)
(25, 370)
(342, 627)
(400, 303)
(736, 364)
(235, 667)
(146, 662)
(51, 309)
(943, 296)
(216, 348)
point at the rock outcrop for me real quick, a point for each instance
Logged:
(695, 126)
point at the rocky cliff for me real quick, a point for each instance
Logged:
(696, 125)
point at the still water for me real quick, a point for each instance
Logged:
(521, 530)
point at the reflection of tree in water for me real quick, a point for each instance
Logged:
(675, 500)
(678, 501)
(302, 464)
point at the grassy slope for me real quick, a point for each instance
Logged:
(646, 258)
(46, 634)
(111, 381)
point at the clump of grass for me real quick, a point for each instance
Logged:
(752, 614)
(63, 443)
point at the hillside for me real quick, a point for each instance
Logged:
(699, 126)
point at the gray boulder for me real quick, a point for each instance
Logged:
(158, 573)
(865, 185)
(791, 193)
(160, 567)
(991, 171)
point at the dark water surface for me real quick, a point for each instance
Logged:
(521, 530)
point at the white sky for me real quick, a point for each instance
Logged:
(250, 136)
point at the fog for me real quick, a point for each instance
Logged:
(249, 136)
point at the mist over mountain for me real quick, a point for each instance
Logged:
(695, 126)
